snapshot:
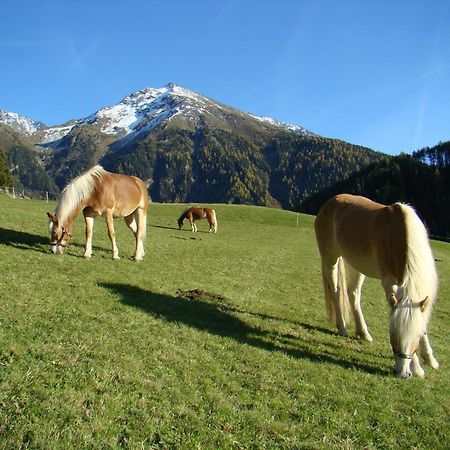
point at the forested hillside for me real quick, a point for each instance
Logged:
(25, 166)
(422, 180)
(216, 165)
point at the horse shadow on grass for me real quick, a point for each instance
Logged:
(23, 240)
(27, 241)
(164, 227)
(218, 319)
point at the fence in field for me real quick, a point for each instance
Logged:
(29, 194)
(50, 196)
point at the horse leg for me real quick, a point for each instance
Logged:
(427, 352)
(131, 223)
(89, 230)
(210, 223)
(355, 282)
(140, 233)
(193, 226)
(334, 291)
(416, 368)
(111, 234)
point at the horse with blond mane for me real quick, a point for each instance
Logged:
(100, 193)
(192, 214)
(358, 237)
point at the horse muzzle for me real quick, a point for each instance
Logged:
(57, 248)
(403, 374)
(402, 368)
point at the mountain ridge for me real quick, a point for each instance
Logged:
(188, 147)
(126, 116)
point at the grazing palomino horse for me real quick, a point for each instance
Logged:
(193, 214)
(389, 243)
(96, 193)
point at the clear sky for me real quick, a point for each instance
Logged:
(370, 72)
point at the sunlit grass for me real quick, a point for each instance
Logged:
(213, 341)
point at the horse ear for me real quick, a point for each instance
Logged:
(53, 217)
(392, 300)
(424, 303)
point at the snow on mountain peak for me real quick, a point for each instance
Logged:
(144, 109)
(287, 126)
(149, 104)
(20, 123)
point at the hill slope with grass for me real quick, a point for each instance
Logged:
(213, 341)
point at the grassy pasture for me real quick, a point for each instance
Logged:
(213, 341)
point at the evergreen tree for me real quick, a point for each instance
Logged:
(5, 174)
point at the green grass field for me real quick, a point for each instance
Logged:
(213, 341)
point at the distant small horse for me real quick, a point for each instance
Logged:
(193, 214)
(96, 193)
(389, 243)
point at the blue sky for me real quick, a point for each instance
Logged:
(373, 72)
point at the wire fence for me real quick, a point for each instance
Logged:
(30, 194)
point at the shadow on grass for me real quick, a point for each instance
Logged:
(217, 318)
(27, 241)
(183, 230)
(305, 326)
(23, 240)
(164, 227)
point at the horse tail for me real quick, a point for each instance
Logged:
(144, 224)
(329, 289)
(343, 294)
(145, 201)
(214, 218)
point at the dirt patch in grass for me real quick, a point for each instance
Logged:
(200, 294)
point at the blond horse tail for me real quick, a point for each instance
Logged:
(342, 289)
(144, 225)
(343, 294)
(214, 220)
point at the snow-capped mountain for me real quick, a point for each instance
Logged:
(53, 134)
(140, 112)
(150, 107)
(20, 123)
(186, 147)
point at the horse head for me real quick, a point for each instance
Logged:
(180, 224)
(407, 327)
(58, 233)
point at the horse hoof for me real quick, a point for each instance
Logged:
(434, 364)
(365, 337)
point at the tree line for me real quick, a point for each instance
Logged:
(421, 180)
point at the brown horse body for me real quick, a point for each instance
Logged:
(389, 243)
(192, 214)
(100, 193)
